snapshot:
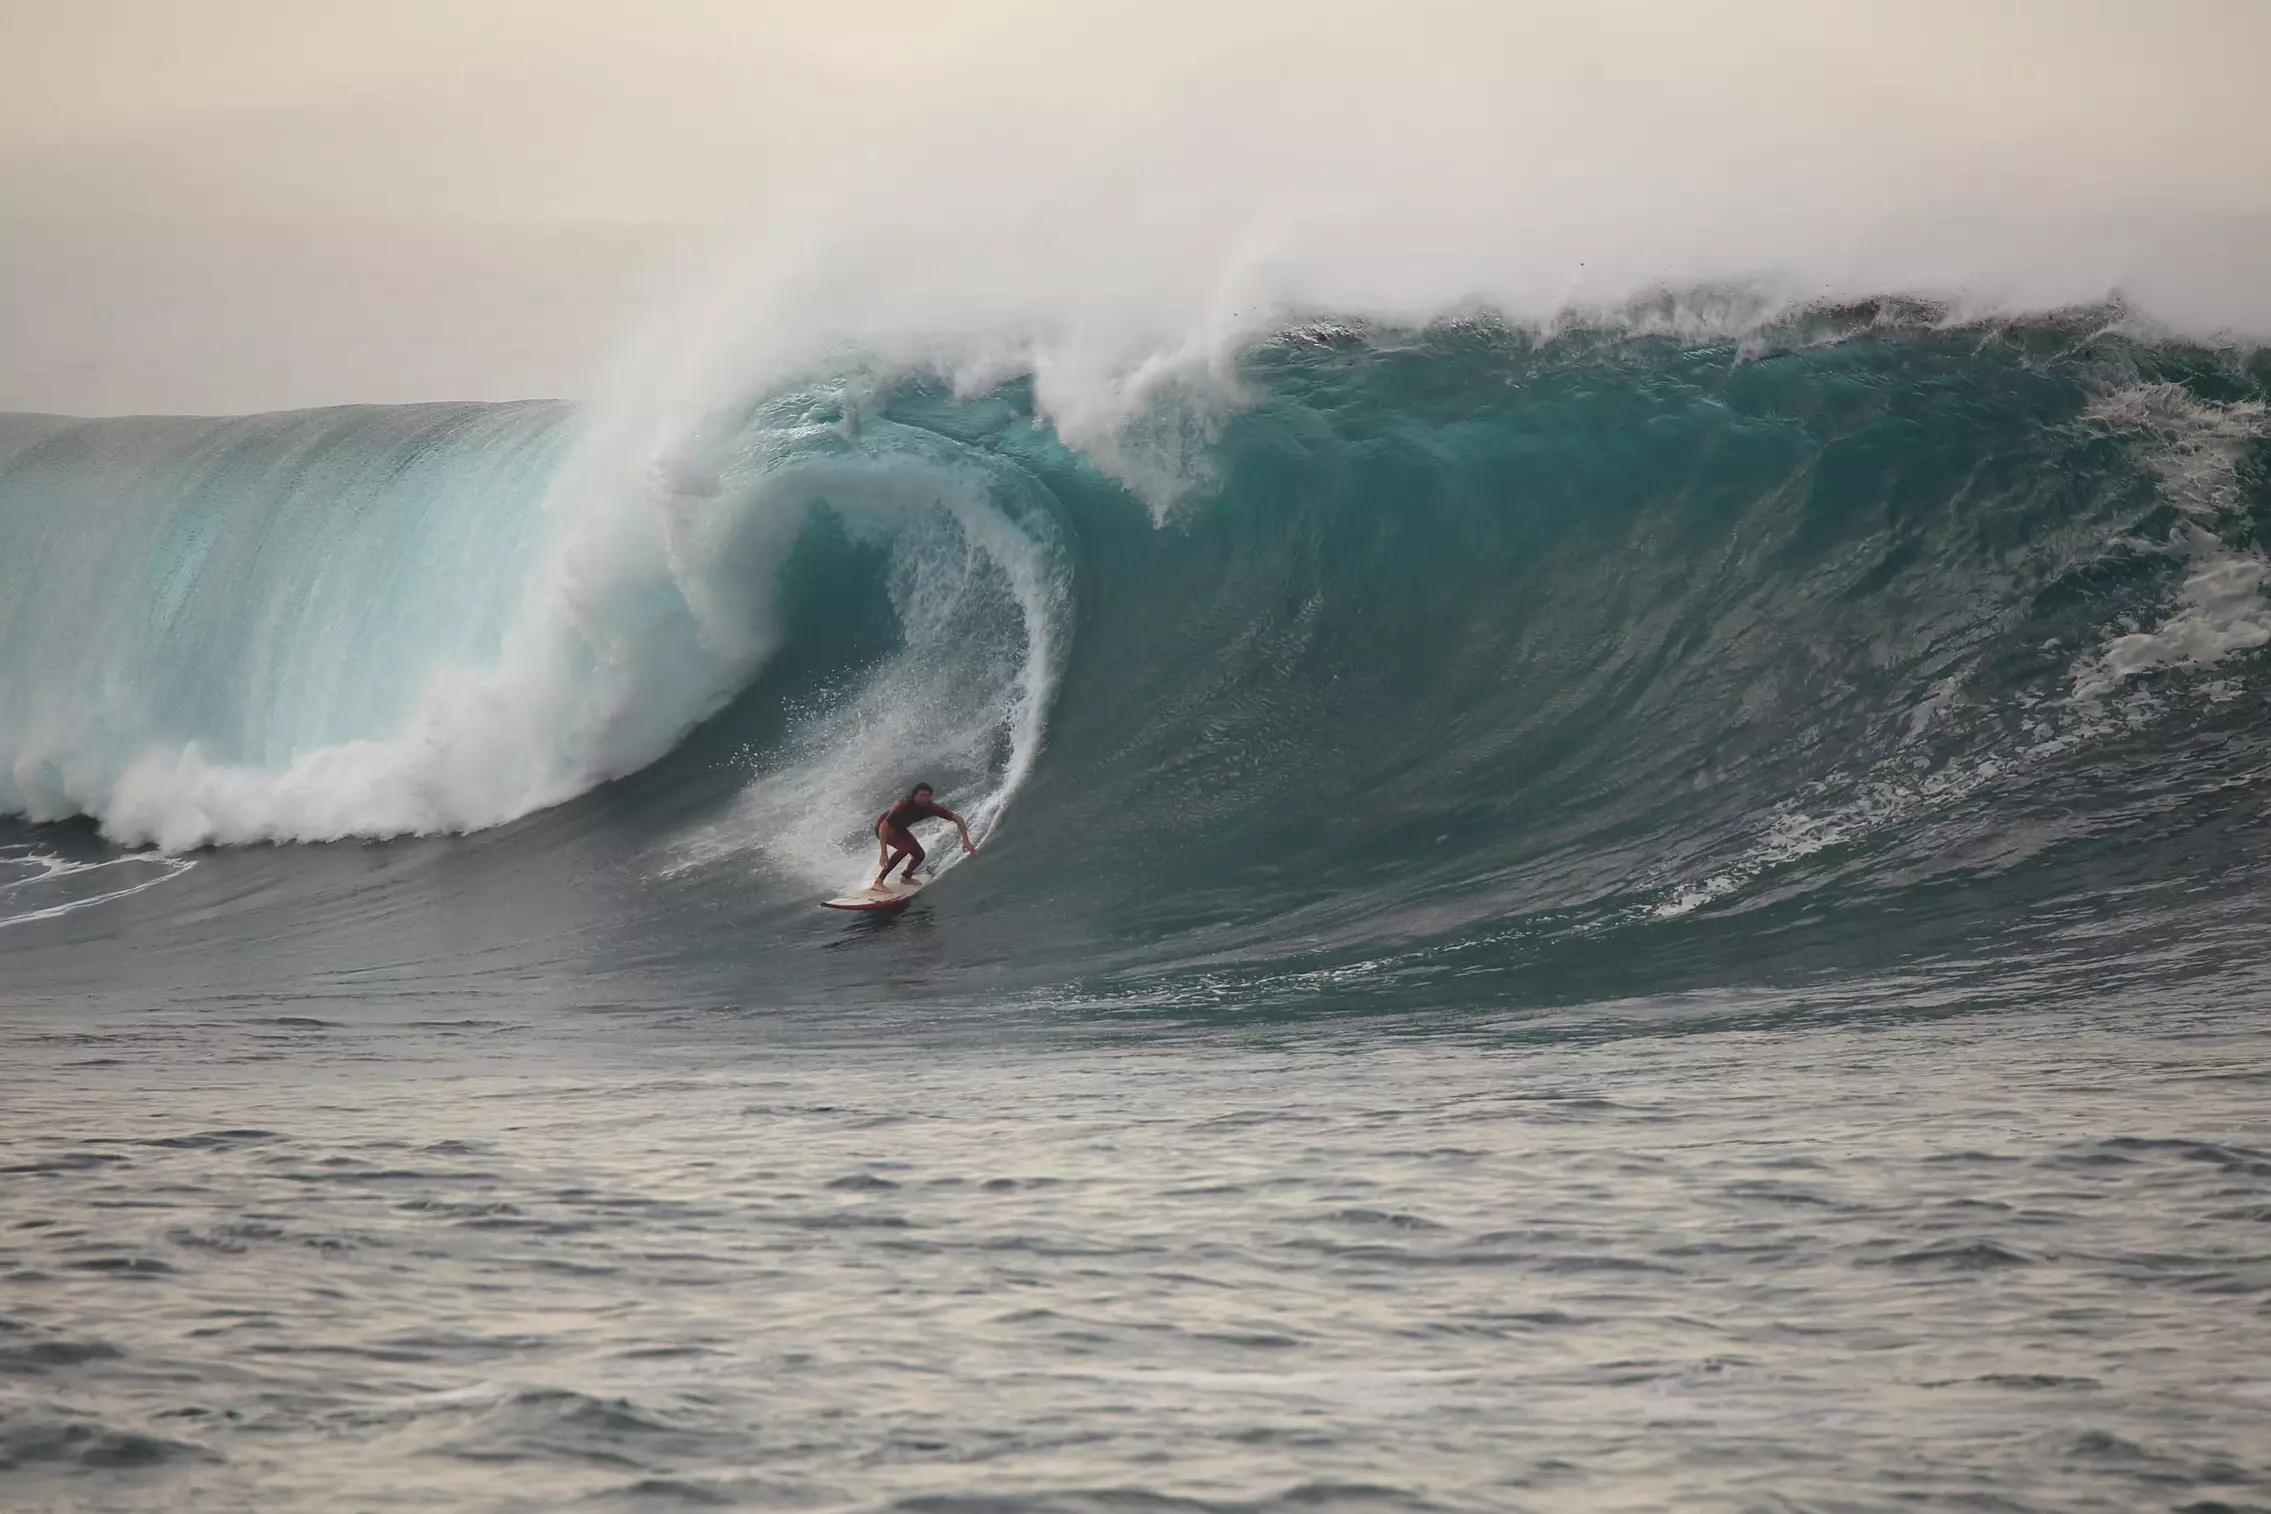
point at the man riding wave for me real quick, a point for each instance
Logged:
(894, 839)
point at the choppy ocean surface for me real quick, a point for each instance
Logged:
(261, 1259)
(1630, 919)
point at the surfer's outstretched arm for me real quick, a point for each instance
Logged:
(961, 829)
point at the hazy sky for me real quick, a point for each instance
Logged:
(240, 204)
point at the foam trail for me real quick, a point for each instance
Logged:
(36, 885)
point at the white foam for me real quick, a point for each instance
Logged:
(2195, 448)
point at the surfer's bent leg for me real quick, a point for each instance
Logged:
(896, 844)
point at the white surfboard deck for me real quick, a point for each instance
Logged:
(889, 896)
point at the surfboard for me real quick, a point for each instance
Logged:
(890, 896)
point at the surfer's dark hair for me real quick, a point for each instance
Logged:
(918, 788)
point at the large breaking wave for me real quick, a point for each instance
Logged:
(1393, 652)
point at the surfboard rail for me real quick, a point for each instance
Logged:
(890, 896)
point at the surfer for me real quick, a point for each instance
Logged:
(893, 838)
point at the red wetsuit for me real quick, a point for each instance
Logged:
(907, 811)
(891, 830)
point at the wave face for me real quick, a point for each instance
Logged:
(1458, 664)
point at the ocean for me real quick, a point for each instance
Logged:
(1631, 916)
